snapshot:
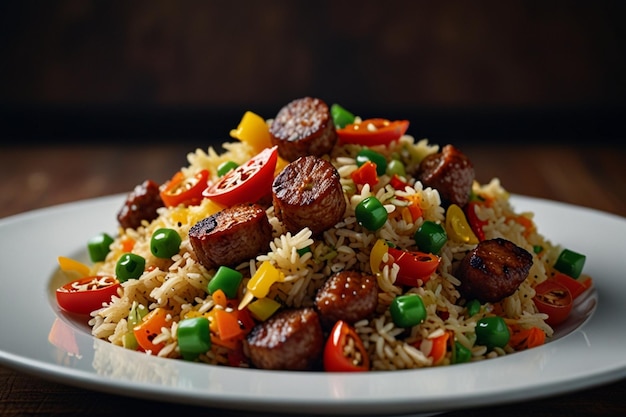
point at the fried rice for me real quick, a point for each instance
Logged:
(179, 283)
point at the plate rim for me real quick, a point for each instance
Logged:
(348, 404)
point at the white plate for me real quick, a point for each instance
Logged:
(38, 339)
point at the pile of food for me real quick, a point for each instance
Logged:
(320, 241)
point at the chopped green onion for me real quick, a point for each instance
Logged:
(407, 310)
(304, 250)
(365, 155)
(341, 117)
(473, 307)
(460, 353)
(225, 167)
(570, 263)
(99, 247)
(430, 237)
(371, 213)
(194, 337)
(136, 314)
(227, 280)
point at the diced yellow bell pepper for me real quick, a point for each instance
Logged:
(457, 226)
(193, 214)
(260, 283)
(377, 255)
(73, 268)
(263, 308)
(253, 130)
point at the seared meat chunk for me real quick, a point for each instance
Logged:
(450, 172)
(307, 192)
(493, 270)
(141, 204)
(290, 340)
(347, 295)
(303, 127)
(231, 236)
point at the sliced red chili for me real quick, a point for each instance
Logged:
(476, 224)
(372, 132)
(187, 191)
(247, 183)
(344, 351)
(397, 183)
(415, 267)
(86, 294)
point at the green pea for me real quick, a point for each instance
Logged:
(492, 332)
(365, 155)
(407, 310)
(341, 117)
(99, 247)
(165, 243)
(460, 353)
(194, 337)
(570, 263)
(371, 213)
(129, 266)
(430, 237)
(227, 280)
(225, 167)
(396, 167)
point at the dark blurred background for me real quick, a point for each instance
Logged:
(80, 70)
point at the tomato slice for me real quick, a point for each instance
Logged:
(253, 130)
(554, 299)
(247, 183)
(372, 132)
(186, 191)
(86, 294)
(415, 267)
(344, 350)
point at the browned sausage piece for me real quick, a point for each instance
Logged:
(303, 127)
(307, 192)
(347, 295)
(450, 172)
(231, 236)
(141, 204)
(290, 340)
(493, 270)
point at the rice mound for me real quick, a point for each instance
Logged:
(180, 283)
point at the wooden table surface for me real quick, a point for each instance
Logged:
(39, 176)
